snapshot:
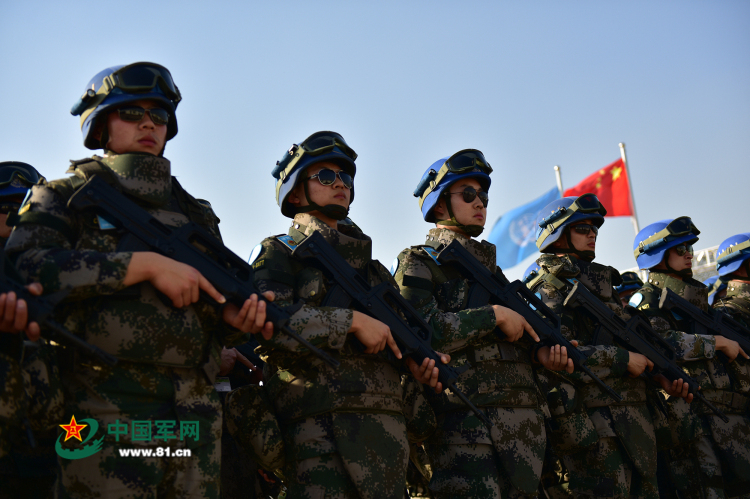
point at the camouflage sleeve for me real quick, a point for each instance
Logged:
(43, 247)
(453, 331)
(321, 326)
(686, 346)
(604, 361)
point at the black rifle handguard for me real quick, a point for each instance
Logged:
(190, 244)
(493, 289)
(385, 303)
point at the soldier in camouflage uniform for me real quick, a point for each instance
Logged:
(468, 459)
(717, 288)
(345, 429)
(31, 397)
(698, 463)
(630, 284)
(608, 448)
(733, 264)
(137, 305)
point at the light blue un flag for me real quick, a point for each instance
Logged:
(514, 233)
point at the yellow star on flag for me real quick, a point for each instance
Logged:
(616, 172)
(73, 429)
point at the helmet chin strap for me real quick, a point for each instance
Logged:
(586, 255)
(469, 230)
(333, 211)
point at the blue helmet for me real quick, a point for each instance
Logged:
(318, 147)
(654, 240)
(531, 272)
(732, 253)
(715, 286)
(560, 213)
(118, 85)
(630, 281)
(467, 163)
(16, 178)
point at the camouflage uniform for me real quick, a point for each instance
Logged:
(608, 448)
(720, 450)
(168, 357)
(31, 406)
(344, 428)
(469, 460)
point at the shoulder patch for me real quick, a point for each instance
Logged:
(635, 300)
(104, 224)
(255, 253)
(25, 203)
(432, 253)
(287, 241)
(394, 266)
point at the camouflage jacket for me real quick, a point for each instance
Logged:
(500, 373)
(79, 251)
(300, 384)
(696, 352)
(737, 302)
(608, 362)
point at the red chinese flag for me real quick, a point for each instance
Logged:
(611, 186)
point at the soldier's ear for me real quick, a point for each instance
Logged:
(440, 210)
(295, 195)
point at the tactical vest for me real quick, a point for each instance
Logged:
(180, 201)
(724, 384)
(500, 373)
(599, 280)
(303, 386)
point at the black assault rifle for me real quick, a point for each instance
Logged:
(385, 303)
(496, 290)
(190, 244)
(714, 323)
(40, 310)
(636, 335)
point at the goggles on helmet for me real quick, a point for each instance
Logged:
(587, 203)
(681, 226)
(732, 252)
(463, 161)
(20, 171)
(142, 77)
(315, 145)
(139, 77)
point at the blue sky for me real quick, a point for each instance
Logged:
(531, 84)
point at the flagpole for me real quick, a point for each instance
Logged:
(634, 217)
(558, 175)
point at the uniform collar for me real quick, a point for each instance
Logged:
(349, 242)
(483, 251)
(142, 176)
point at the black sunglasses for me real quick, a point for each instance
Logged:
(134, 114)
(470, 194)
(585, 229)
(326, 176)
(683, 248)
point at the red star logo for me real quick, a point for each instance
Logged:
(73, 429)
